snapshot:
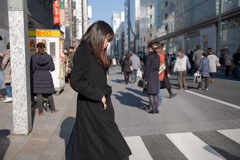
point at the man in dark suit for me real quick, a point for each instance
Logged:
(197, 56)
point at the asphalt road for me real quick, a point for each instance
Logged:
(188, 126)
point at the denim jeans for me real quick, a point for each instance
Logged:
(159, 95)
(9, 89)
(135, 75)
(236, 71)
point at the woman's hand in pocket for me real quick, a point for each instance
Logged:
(104, 102)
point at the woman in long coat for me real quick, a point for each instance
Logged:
(96, 136)
(126, 68)
(41, 64)
(151, 75)
(7, 77)
(166, 83)
(213, 65)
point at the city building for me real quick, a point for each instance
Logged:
(116, 20)
(120, 36)
(40, 17)
(89, 16)
(79, 20)
(192, 23)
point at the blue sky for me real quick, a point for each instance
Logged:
(103, 9)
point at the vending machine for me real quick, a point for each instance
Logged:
(54, 42)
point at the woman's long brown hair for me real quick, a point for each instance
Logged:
(41, 48)
(154, 47)
(95, 37)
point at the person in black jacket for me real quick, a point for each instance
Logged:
(151, 75)
(126, 68)
(96, 136)
(41, 63)
(236, 59)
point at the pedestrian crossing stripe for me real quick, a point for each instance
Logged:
(210, 145)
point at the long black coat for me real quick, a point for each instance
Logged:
(166, 83)
(42, 78)
(126, 65)
(151, 74)
(97, 136)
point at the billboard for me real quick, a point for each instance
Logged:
(56, 20)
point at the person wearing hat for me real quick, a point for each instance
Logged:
(203, 69)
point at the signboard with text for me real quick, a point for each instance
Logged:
(43, 33)
(62, 4)
(56, 20)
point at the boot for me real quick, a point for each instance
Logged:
(173, 95)
(212, 80)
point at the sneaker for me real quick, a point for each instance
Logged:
(206, 89)
(199, 89)
(8, 99)
(40, 114)
(54, 112)
(180, 89)
(1, 96)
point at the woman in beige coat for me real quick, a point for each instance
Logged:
(7, 78)
(213, 59)
(228, 62)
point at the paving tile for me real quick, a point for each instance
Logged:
(35, 146)
(53, 153)
(41, 134)
(27, 157)
(65, 129)
(18, 140)
(59, 140)
(8, 152)
(70, 114)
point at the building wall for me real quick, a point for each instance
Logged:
(42, 11)
(180, 14)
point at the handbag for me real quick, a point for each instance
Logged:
(139, 73)
(197, 78)
(143, 83)
(131, 68)
(217, 63)
(162, 68)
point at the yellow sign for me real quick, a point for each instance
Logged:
(43, 33)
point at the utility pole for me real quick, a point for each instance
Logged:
(219, 28)
(167, 40)
(71, 23)
(18, 31)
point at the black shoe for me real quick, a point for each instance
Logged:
(157, 111)
(147, 107)
(151, 112)
(173, 95)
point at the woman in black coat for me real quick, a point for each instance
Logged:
(126, 68)
(96, 136)
(41, 63)
(151, 75)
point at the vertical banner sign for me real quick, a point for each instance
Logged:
(56, 20)
(66, 10)
(62, 4)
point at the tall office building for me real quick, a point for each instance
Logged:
(89, 15)
(192, 23)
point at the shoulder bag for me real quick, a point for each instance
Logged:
(143, 83)
(162, 68)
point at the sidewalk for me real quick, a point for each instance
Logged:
(49, 137)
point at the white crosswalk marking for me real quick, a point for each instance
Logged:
(233, 134)
(139, 150)
(193, 148)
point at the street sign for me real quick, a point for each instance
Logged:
(15, 8)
